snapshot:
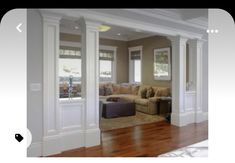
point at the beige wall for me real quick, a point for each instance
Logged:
(122, 54)
(149, 44)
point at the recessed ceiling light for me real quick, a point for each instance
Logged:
(76, 27)
(104, 28)
(119, 34)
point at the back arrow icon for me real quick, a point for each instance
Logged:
(18, 27)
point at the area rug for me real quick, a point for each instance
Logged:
(196, 150)
(123, 122)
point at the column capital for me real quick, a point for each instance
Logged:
(197, 42)
(178, 38)
(50, 17)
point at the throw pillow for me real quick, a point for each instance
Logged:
(108, 90)
(163, 92)
(135, 89)
(150, 92)
(116, 89)
(143, 93)
(101, 90)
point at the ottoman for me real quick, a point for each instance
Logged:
(118, 109)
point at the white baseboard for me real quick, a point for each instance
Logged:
(71, 140)
(199, 117)
(92, 137)
(66, 141)
(35, 149)
(182, 119)
(205, 116)
(51, 145)
(188, 117)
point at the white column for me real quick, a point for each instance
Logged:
(90, 80)
(51, 115)
(178, 80)
(195, 47)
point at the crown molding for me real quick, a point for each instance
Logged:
(171, 17)
(127, 22)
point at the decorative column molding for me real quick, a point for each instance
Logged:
(195, 47)
(51, 111)
(90, 80)
(192, 65)
(178, 79)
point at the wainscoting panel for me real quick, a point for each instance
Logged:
(72, 114)
(190, 100)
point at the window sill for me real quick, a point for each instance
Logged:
(71, 100)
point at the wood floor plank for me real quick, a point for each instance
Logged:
(143, 140)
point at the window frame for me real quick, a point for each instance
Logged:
(114, 62)
(71, 44)
(101, 47)
(131, 64)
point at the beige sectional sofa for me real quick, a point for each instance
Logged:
(145, 97)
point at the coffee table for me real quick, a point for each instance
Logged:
(121, 108)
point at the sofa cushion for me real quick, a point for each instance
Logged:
(135, 89)
(150, 92)
(142, 87)
(116, 89)
(125, 90)
(127, 97)
(143, 93)
(101, 90)
(141, 101)
(108, 89)
(162, 91)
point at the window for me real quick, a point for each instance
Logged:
(70, 71)
(137, 71)
(107, 65)
(135, 54)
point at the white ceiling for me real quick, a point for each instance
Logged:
(116, 32)
(188, 20)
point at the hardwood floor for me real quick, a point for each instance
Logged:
(144, 140)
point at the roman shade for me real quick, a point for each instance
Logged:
(106, 55)
(135, 55)
(70, 52)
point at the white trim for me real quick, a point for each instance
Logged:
(126, 22)
(51, 117)
(51, 145)
(107, 47)
(35, 149)
(182, 119)
(205, 116)
(72, 139)
(189, 117)
(72, 100)
(131, 63)
(114, 63)
(70, 44)
(90, 80)
(101, 47)
(93, 137)
(170, 16)
(178, 78)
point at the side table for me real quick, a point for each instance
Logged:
(164, 107)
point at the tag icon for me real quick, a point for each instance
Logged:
(18, 137)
